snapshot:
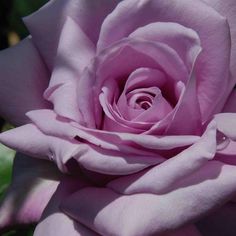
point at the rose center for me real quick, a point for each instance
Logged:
(139, 99)
(144, 104)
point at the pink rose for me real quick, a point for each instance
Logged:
(126, 99)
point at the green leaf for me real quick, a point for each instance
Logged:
(6, 161)
(21, 232)
(7, 127)
(6, 164)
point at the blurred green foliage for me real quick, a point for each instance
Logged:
(20, 9)
(21, 232)
(6, 160)
(11, 13)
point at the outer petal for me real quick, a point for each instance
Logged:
(147, 214)
(31, 141)
(59, 140)
(164, 177)
(23, 79)
(214, 35)
(33, 184)
(96, 147)
(54, 222)
(73, 54)
(61, 150)
(45, 25)
(114, 162)
(227, 8)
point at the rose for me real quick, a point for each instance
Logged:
(132, 92)
(134, 47)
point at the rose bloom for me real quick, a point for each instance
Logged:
(125, 116)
